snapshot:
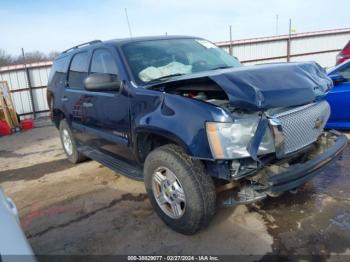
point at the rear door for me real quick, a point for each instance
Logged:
(107, 112)
(339, 99)
(73, 99)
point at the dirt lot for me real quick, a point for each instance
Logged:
(88, 209)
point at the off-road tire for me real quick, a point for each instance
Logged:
(198, 187)
(76, 156)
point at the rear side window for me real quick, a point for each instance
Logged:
(103, 62)
(78, 70)
(58, 72)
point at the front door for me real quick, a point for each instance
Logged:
(107, 112)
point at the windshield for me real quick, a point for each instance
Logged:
(158, 60)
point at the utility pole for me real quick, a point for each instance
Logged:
(276, 24)
(289, 40)
(230, 48)
(127, 20)
(28, 83)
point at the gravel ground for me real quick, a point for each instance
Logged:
(89, 209)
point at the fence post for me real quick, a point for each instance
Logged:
(230, 46)
(29, 83)
(289, 40)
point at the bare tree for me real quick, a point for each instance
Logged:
(30, 57)
(5, 59)
(52, 55)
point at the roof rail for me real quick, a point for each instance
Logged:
(83, 44)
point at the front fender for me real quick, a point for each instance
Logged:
(178, 118)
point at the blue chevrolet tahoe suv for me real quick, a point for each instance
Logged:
(189, 120)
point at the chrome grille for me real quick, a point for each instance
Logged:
(302, 126)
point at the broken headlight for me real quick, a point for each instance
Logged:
(230, 140)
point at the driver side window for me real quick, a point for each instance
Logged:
(103, 62)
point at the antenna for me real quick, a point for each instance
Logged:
(127, 20)
(276, 24)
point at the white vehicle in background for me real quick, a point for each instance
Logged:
(13, 243)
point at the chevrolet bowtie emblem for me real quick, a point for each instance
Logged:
(318, 123)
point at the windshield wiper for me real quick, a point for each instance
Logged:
(164, 77)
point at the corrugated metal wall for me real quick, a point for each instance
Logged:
(321, 46)
(28, 91)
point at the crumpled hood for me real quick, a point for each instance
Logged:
(261, 87)
(274, 85)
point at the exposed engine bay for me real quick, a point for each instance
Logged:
(201, 91)
(208, 92)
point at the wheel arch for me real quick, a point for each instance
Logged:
(56, 114)
(147, 140)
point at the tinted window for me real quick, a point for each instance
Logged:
(78, 70)
(58, 71)
(345, 72)
(104, 63)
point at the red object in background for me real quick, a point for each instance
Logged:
(5, 128)
(27, 124)
(344, 54)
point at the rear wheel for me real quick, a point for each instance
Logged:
(180, 191)
(68, 143)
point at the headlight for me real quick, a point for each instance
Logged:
(230, 140)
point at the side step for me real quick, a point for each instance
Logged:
(115, 164)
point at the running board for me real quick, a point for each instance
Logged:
(115, 164)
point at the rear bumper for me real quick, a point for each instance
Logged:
(299, 174)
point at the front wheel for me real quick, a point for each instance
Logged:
(180, 191)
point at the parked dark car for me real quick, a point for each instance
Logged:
(184, 116)
(339, 97)
(344, 54)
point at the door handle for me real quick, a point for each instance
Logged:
(64, 99)
(86, 104)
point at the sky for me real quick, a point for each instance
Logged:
(57, 25)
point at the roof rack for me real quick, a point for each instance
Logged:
(83, 44)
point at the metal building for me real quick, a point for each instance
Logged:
(320, 46)
(28, 83)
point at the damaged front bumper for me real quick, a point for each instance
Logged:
(327, 148)
(288, 174)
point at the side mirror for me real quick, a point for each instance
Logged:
(337, 79)
(101, 82)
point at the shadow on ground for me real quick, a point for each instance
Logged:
(35, 171)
